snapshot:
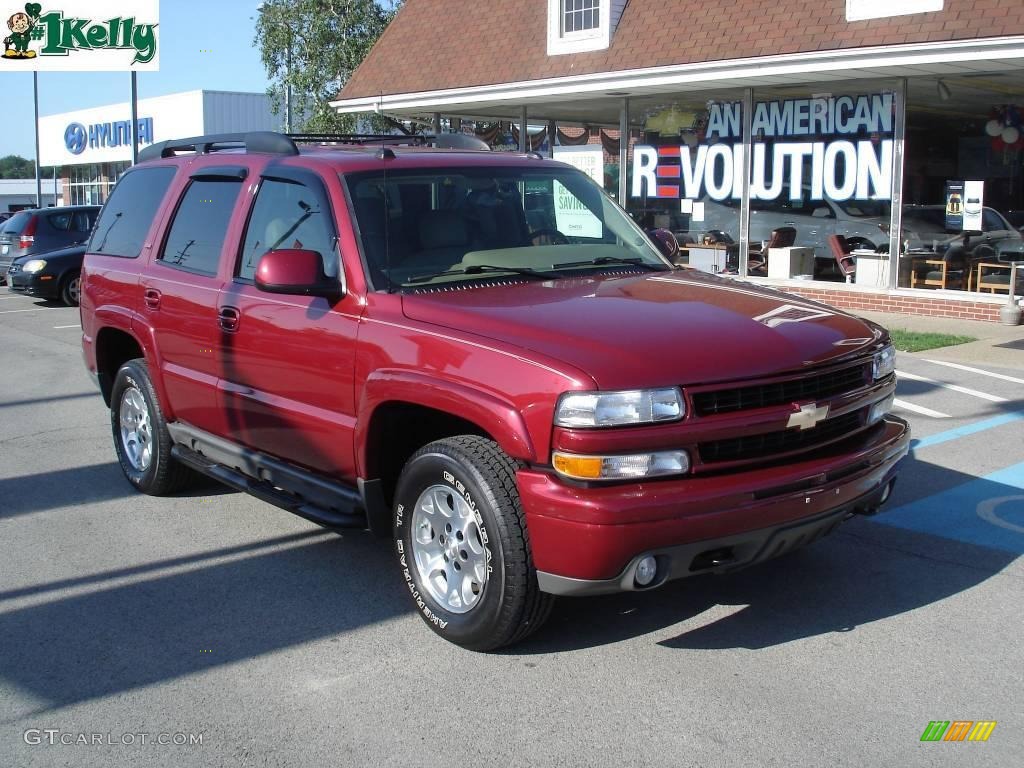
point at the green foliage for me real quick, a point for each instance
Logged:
(17, 167)
(327, 40)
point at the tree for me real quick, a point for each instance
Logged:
(327, 40)
(17, 167)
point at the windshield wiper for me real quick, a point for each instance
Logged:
(601, 261)
(476, 269)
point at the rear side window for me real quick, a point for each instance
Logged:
(128, 215)
(201, 224)
(287, 215)
(60, 221)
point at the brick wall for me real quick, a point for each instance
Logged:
(908, 304)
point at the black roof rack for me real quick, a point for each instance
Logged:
(273, 143)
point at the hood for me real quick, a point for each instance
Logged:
(680, 327)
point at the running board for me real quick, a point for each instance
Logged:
(352, 517)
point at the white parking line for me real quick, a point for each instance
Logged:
(58, 327)
(904, 405)
(954, 387)
(13, 297)
(1002, 376)
(12, 311)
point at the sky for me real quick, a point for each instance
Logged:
(224, 27)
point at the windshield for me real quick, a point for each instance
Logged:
(425, 226)
(874, 208)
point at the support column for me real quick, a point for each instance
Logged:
(748, 122)
(552, 137)
(39, 179)
(623, 150)
(896, 195)
(135, 118)
(524, 134)
(437, 123)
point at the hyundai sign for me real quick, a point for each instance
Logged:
(112, 134)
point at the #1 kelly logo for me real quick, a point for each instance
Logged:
(115, 35)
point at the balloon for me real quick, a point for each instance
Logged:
(1010, 134)
(993, 128)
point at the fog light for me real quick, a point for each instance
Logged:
(886, 493)
(646, 570)
(881, 408)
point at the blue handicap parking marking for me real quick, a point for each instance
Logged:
(969, 429)
(988, 511)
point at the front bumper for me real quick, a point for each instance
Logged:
(589, 540)
(38, 284)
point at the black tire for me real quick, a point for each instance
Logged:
(69, 289)
(162, 474)
(510, 605)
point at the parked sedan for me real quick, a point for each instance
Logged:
(53, 275)
(38, 230)
(997, 238)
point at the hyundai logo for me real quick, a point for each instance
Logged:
(75, 138)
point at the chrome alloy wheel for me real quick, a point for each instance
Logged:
(450, 556)
(75, 290)
(136, 431)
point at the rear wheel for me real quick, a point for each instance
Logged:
(141, 439)
(462, 544)
(70, 289)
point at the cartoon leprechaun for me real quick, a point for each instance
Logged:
(20, 24)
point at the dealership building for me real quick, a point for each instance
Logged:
(93, 146)
(755, 131)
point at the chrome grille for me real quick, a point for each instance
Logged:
(768, 445)
(810, 387)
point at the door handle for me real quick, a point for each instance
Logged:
(229, 318)
(152, 298)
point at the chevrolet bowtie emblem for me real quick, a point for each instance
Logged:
(807, 416)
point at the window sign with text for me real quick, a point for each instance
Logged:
(835, 147)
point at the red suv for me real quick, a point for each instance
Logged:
(379, 336)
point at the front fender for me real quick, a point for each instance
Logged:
(496, 416)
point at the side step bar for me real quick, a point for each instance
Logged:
(351, 517)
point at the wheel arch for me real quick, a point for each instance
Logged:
(114, 347)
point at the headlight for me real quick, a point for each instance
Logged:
(884, 362)
(33, 265)
(880, 409)
(618, 409)
(635, 466)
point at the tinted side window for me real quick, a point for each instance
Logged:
(287, 215)
(126, 218)
(60, 221)
(991, 222)
(200, 225)
(83, 221)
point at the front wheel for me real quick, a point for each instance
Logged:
(463, 547)
(70, 290)
(141, 439)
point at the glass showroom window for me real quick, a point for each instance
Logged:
(963, 187)
(821, 182)
(687, 173)
(580, 15)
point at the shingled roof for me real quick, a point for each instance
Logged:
(439, 44)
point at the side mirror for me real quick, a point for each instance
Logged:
(665, 242)
(297, 272)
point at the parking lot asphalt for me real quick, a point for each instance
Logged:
(213, 614)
